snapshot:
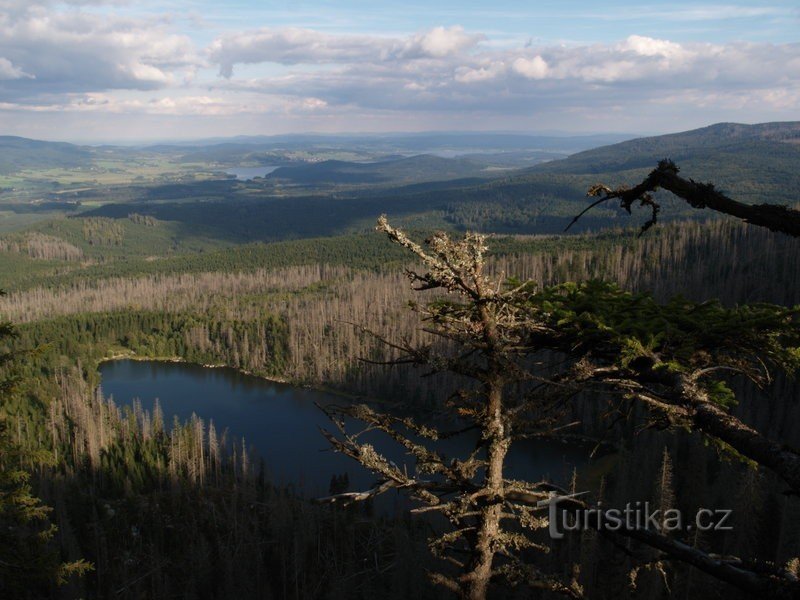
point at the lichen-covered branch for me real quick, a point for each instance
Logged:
(481, 334)
(665, 176)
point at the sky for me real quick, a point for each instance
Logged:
(126, 70)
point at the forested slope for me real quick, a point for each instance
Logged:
(183, 510)
(122, 469)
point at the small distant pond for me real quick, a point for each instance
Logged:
(281, 423)
(245, 173)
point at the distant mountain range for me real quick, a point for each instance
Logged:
(752, 163)
(17, 154)
(757, 163)
(417, 141)
(268, 149)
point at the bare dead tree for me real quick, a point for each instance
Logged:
(481, 334)
(629, 347)
(698, 195)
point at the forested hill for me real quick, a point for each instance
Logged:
(424, 167)
(17, 153)
(752, 163)
(727, 144)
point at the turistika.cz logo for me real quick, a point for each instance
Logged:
(564, 516)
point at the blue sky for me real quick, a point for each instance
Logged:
(117, 69)
(565, 21)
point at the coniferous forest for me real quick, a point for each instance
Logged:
(483, 348)
(114, 484)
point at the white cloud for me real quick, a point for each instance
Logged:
(52, 51)
(647, 46)
(440, 42)
(9, 71)
(618, 77)
(306, 46)
(310, 104)
(57, 57)
(173, 105)
(145, 104)
(480, 73)
(532, 68)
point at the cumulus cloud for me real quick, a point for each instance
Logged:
(48, 51)
(439, 42)
(295, 46)
(69, 56)
(143, 104)
(457, 74)
(647, 46)
(532, 68)
(481, 73)
(9, 71)
(637, 69)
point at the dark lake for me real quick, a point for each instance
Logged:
(281, 423)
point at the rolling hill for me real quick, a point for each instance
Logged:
(752, 163)
(424, 167)
(722, 140)
(17, 154)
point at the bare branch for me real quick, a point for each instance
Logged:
(774, 217)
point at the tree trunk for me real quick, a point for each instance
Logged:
(480, 571)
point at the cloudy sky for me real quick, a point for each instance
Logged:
(139, 69)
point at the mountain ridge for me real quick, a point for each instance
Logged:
(679, 146)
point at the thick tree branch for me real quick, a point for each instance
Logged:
(764, 581)
(698, 195)
(777, 585)
(683, 401)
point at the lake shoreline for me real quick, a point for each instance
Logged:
(280, 424)
(271, 378)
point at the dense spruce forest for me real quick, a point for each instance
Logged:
(109, 500)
